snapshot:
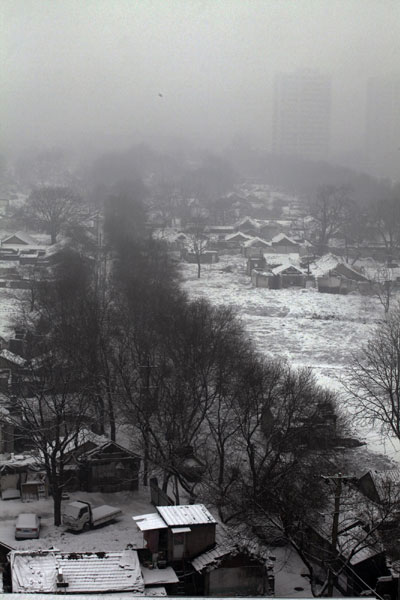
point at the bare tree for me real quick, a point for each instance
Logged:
(373, 382)
(385, 217)
(329, 210)
(384, 286)
(49, 410)
(51, 208)
(197, 241)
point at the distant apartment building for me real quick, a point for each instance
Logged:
(302, 114)
(382, 127)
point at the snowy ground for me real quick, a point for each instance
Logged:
(309, 329)
(114, 536)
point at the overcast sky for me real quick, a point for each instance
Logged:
(81, 69)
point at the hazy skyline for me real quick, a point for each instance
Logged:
(94, 70)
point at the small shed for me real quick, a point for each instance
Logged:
(178, 532)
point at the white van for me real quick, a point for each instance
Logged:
(27, 526)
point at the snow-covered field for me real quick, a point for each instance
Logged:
(308, 329)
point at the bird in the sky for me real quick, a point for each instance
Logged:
(160, 94)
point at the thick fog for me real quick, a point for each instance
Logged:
(113, 72)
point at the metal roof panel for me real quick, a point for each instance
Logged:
(186, 514)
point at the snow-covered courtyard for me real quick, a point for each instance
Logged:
(114, 536)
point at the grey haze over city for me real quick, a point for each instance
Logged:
(200, 298)
(112, 73)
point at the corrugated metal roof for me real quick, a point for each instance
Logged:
(83, 571)
(149, 522)
(190, 514)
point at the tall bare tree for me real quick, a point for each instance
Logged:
(329, 209)
(373, 382)
(53, 208)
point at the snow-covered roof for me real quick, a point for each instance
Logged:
(282, 237)
(282, 259)
(324, 264)
(252, 241)
(83, 571)
(12, 358)
(149, 522)
(237, 234)
(83, 436)
(284, 267)
(24, 239)
(192, 514)
(249, 220)
(103, 446)
(159, 576)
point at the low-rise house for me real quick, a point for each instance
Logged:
(276, 278)
(234, 241)
(336, 277)
(283, 244)
(98, 465)
(220, 231)
(255, 247)
(286, 276)
(247, 225)
(18, 240)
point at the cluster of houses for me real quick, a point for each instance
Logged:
(185, 552)
(274, 258)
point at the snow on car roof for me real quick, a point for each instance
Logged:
(26, 520)
(192, 514)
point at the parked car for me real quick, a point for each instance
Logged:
(27, 526)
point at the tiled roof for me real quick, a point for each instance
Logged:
(82, 571)
(192, 514)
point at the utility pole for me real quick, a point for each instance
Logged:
(337, 479)
(146, 410)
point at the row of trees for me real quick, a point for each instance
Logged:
(337, 215)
